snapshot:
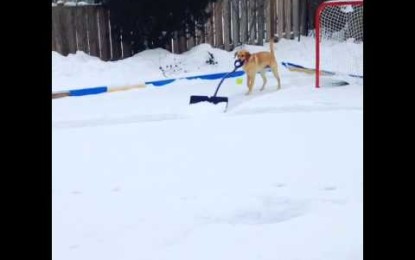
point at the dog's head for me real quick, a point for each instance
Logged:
(242, 55)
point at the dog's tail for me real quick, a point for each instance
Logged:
(271, 45)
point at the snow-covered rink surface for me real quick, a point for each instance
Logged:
(141, 174)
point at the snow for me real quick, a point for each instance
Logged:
(347, 9)
(141, 174)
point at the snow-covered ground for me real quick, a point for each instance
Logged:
(141, 174)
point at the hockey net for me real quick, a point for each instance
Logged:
(339, 40)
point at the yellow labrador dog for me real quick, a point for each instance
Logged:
(258, 62)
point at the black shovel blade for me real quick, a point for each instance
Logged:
(214, 100)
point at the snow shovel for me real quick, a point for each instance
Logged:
(215, 99)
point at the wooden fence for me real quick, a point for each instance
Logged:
(232, 23)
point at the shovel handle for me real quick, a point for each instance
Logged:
(237, 64)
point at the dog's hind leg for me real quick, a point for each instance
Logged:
(264, 79)
(274, 70)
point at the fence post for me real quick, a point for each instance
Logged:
(60, 40)
(244, 21)
(190, 36)
(54, 31)
(272, 19)
(261, 21)
(280, 18)
(81, 29)
(296, 18)
(92, 30)
(303, 18)
(287, 10)
(69, 21)
(104, 34)
(226, 24)
(182, 40)
(126, 45)
(116, 42)
(175, 42)
(218, 24)
(235, 23)
(252, 21)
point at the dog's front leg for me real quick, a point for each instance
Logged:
(251, 81)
